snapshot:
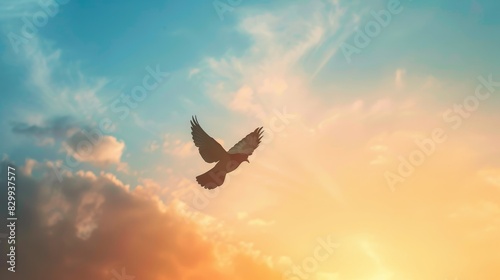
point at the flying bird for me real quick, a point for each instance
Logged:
(211, 151)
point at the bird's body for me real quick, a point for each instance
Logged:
(211, 151)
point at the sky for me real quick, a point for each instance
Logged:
(380, 157)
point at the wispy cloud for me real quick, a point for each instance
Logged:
(399, 79)
(14, 9)
(284, 44)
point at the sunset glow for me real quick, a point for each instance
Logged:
(380, 158)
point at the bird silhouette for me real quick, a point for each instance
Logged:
(211, 151)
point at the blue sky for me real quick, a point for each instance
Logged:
(101, 49)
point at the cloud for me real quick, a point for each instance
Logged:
(484, 216)
(103, 152)
(399, 79)
(49, 130)
(491, 176)
(177, 147)
(152, 146)
(378, 148)
(379, 160)
(289, 47)
(431, 82)
(241, 215)
(260, 223)
(243, 101)
(193, 72)
(484, 210)
(328, 276)
(59, 87)
(14, 10)
(87, 226)
(29, 165)
(85, 143)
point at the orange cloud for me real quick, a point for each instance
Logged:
(90, 226)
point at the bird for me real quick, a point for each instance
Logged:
(227, 161)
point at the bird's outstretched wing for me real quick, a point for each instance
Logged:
(210, 150)
(248, 144)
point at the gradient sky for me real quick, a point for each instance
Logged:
(337, 126)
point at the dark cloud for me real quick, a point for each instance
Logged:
(83, 142)
(57, 127)
(87, 226)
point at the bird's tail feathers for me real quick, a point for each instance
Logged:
(211, 179)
